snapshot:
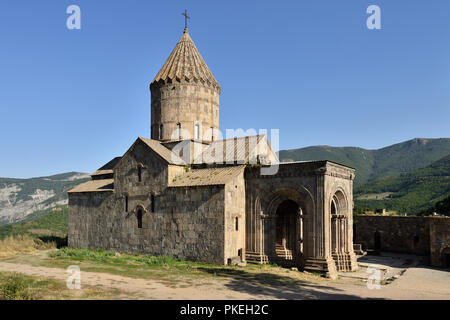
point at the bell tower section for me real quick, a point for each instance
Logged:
(184, 97)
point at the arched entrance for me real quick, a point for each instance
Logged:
(289, 234)
(339, 211)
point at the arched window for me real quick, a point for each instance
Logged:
(152, 204)
(161, 131)
(126, 203)
(197, 131)
(179, 130)
(212, 134)
(236, 223)
(139, 173)
(139, 218)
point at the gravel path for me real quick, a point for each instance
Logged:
(415, 283)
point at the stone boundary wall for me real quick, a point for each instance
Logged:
(396, 233)
(440, 242)
(427, 236)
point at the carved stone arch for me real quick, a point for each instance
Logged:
(254, 227)
(340, 198)
(340, 231)
(141, 165)
(287, 220)
(139, 206)
(288, 191)
(139, 211)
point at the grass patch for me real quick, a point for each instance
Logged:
(105, 256)
(20, 244)
(15, 286)
(173, 272)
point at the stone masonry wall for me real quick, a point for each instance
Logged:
(397, 234)
(186, 225)
(180, 222)
(186, 103)
(235, 209)
(440, 241)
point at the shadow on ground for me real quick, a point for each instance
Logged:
(59, 241)
(276, 286)
(394, 260)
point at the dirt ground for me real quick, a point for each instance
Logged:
(415, 282)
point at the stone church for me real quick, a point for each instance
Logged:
(187, 193)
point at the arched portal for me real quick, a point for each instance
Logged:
(289, 233)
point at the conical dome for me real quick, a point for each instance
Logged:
(185, 62)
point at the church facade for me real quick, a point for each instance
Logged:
(187, 193)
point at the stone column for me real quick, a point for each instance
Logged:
(320, 260)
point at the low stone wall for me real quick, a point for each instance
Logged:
(393, 233)
(440, 242)
(427, 236)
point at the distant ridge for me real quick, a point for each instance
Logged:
(373, 164)
(410, 192)
(21, 197)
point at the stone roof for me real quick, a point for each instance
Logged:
(102, 185)
(163, 152)
(185, 62)
(207, 177)
(240, 150)
(107, 168)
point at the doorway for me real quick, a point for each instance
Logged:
(287, 231)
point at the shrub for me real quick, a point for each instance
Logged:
(15, 287)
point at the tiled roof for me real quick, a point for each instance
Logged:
(238, 150)
(107, 168)
(101, 172)
(185, 62)
(163, 152)
(207, 177)
(94, 186)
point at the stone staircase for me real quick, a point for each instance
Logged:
(257, 258)
(283, 253)
(342, 261)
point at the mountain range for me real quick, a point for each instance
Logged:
(374, 164)
(412, 192)
(21, 197)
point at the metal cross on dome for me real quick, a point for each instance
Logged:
(186, 17)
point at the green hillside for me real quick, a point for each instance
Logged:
(410, 192)
(21, 197)
(374, 164)
(49, 223)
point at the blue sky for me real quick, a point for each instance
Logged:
(70, 100)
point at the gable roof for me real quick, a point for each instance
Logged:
(165, 153)
(103, 185)
(239, 150)
(107, 168)
(207, 177)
